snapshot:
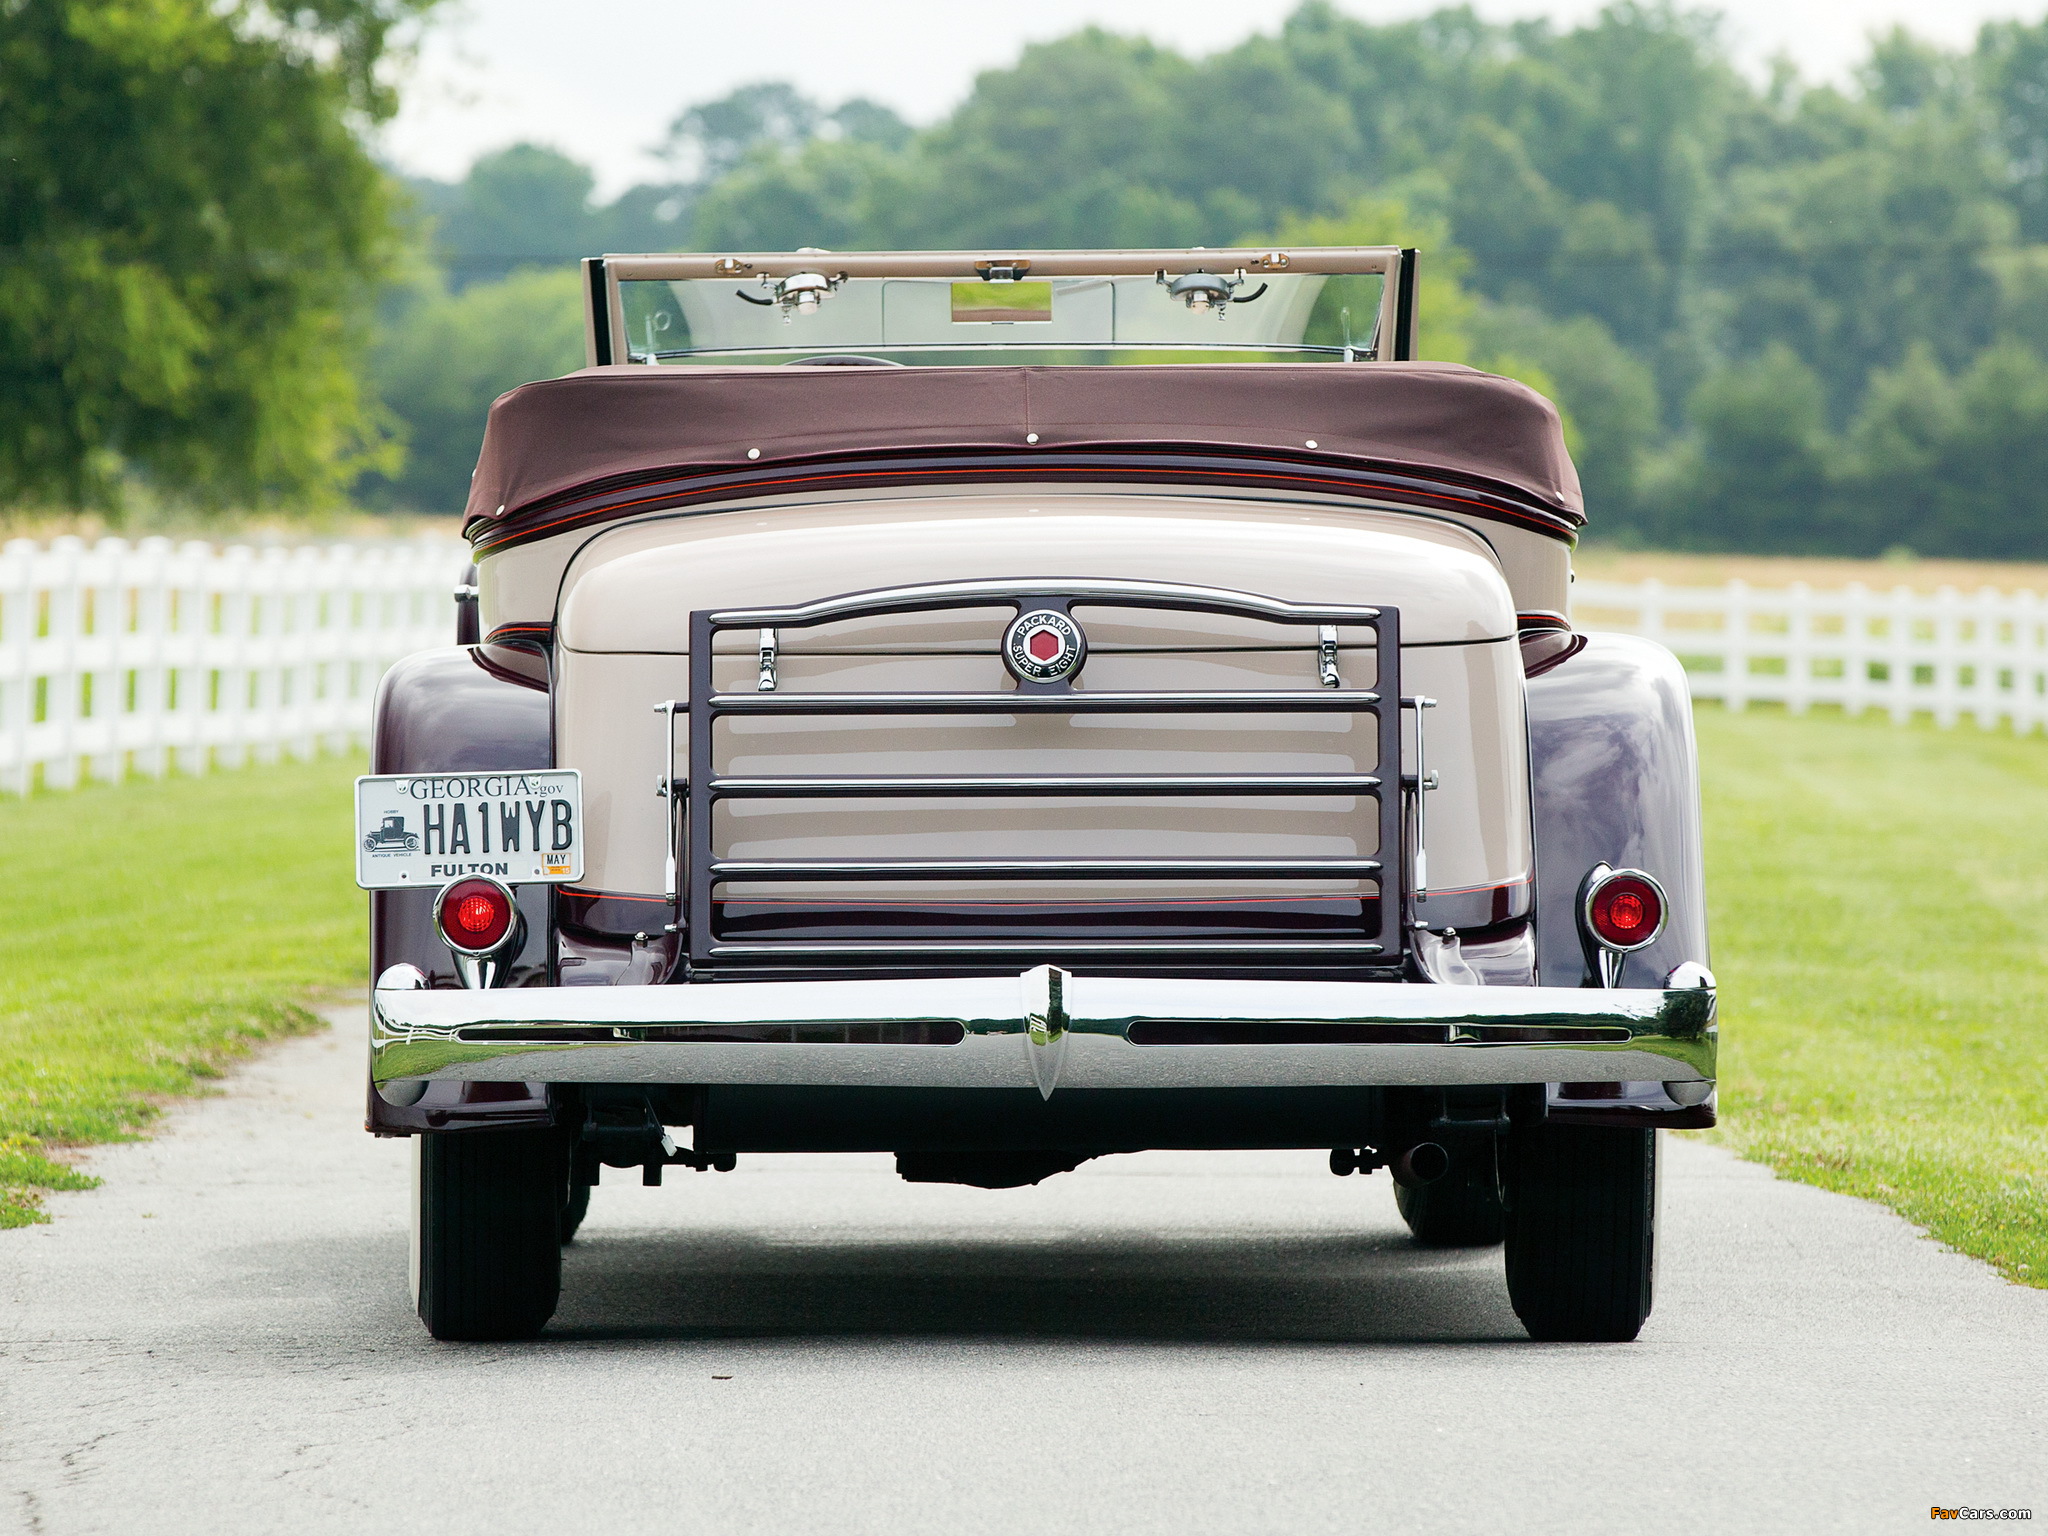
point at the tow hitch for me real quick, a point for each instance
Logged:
(621, 1130)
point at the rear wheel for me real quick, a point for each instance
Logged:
(487, 1218)
(1460, 1210)
(1581, 1231)
(575, 1206)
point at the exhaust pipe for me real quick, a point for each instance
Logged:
(1423, 1163)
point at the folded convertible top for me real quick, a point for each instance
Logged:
(606, 429)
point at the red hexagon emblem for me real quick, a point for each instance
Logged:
(1043, 646)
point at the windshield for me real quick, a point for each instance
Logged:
(1183, 306)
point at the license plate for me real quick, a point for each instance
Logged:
(425, 829)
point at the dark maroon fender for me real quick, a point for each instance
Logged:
(1614, 776)
(453, 711)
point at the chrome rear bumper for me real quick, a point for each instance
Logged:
(1048, 1029)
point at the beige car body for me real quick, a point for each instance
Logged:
(621, 635)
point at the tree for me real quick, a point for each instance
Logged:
(523, 206)
(1608, 394)
(189, 229)
(782, 171)
(830, 194)
(1896, 451)
(1776, 315)
(710, 140)
(1080, 143)
(1755, 474)
(2012, 62)
(442, 359)
(1990, 489)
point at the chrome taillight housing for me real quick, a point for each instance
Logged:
(1620, 912)
(479, 919)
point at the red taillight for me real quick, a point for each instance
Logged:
(478, 915)
(475, 915)
(1626, 911)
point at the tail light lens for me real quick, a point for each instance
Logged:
(475, 915)
(1626, 910)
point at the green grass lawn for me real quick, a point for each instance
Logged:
(1879, 903)
(150, 933)
(1880, 910)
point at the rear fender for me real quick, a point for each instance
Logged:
(458, 710)
(1614, 778)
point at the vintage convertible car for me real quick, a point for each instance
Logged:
(1008, 709)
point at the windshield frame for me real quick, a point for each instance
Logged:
(606, 340)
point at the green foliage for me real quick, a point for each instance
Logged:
(442, 358)
(1778, 317)
(1857, 1053)
(2012, 62)
(1756, 472)
(714, 138)
(832, 194)
(1991, 460)
(529, 205)
(189, 227)
(1936, 462)
(150, 933)
(521, 206)
(24, 1174)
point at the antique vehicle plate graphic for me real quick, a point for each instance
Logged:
(426, 829)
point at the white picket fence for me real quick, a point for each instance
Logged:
(120, 658)
(1949, 654)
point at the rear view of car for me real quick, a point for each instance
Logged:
(1004, 710)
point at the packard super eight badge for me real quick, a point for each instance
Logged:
(1044, 647)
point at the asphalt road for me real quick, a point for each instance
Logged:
(219, 1341)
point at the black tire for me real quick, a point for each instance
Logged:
(575, 1206)
(489, 1214)
(1460, 1210)
(1581, 1231)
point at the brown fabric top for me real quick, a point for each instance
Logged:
(623, 423)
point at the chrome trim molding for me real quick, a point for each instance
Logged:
(1121, 593)
(1044, 1029)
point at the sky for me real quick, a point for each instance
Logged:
(601, 79)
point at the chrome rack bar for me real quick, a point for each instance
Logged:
(671, 790)
(1424, 779)
(1057, 946)
(1257, 701)
(1107, 593)
(824, 786)
(1043, 868)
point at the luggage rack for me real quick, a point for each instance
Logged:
(710, 955)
